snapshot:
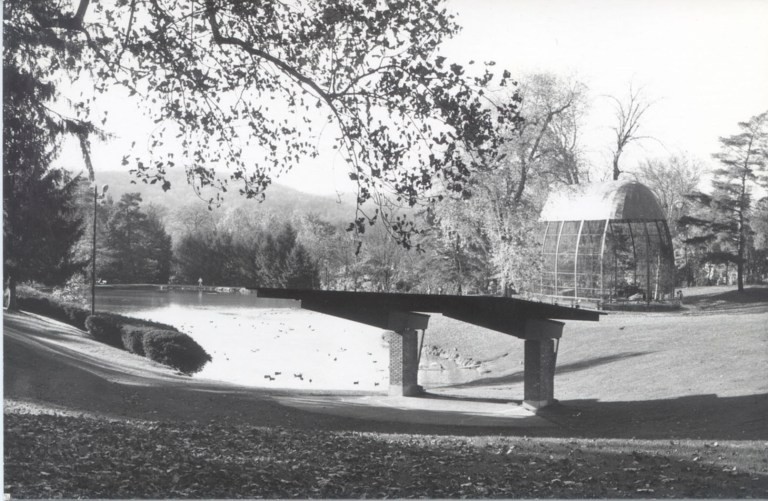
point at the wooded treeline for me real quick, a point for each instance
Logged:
(452, 163)
(484, 241)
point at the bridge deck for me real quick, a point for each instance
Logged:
(503, 314)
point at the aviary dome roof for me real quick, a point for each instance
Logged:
(610, 200)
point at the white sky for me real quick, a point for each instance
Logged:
(703, 62)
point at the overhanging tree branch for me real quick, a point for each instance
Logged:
(210, 10)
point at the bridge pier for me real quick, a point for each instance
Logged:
(540, 359)
(523, 319)
(404, 352)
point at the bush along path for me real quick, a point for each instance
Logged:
(50, 456)
(158, 342)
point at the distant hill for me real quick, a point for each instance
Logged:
(279, 198)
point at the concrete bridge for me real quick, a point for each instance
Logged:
(404, 314)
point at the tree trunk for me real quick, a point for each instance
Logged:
(9, 295)
(9, 204)
(616, 171)
(520, 185)
(742, 236)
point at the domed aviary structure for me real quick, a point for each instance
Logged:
(606, 242)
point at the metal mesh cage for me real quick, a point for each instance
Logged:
(610, 259)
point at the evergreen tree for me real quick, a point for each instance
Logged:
(727, 211)
(41, 227)
(158, 250)
(40, 220)
(262, 257)
(138, 246)
(272, 253)
(301, 271)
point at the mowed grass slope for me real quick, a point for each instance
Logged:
(655, 405)
(698, 372)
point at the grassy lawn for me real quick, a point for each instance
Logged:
(651, 405)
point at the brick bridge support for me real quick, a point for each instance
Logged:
(540, 359)
(404, 352)
(527, 320)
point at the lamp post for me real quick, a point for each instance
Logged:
(96, 197)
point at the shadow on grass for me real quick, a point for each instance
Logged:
(692, 417)
(705, 417)
(45, 377)
(79, 382)
(517, 377)
(750, 297)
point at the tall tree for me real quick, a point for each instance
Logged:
(138, 246)
(460, 252)
(254, 78)
(40, 220)
(671, 179)
(212, 256)
(626, 130)
(326, 242)
(744, 157)
(104, 209)
(759, 263)
(381, 260)
(492, 234)
(158, 248)
(301, 272)
(545, 145)
(41, 227)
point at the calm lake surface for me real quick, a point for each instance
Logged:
(130, 301)
(262, 342)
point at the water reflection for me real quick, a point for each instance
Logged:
(129, 300)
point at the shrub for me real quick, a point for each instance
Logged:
(76, 315)
(133, 339)
(175, 349)
(39, 305)
(36, 302)
(156, 341)
(140, 322)
(105, 329)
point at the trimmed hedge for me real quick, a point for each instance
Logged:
(159, 342)
(133, 339)
(76, 315)
(105, 329)
(140, 323)
(73, 314)
(175, 349)
(68, 313)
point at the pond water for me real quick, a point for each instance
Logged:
(270, 343)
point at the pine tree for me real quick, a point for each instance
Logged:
(41, 227)
(41, 223)
(301, 272)
(138, 245)
(727, 211)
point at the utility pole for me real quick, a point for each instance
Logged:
(96, 197)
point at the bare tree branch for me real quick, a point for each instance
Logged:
(628, 124)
